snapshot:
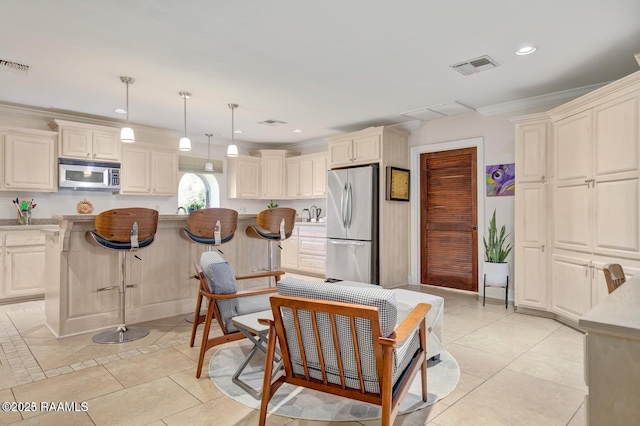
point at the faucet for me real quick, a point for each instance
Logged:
(183, 210)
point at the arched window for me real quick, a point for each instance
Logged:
(197, 191)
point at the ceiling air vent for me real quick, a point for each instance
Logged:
(272, 122)
(475, 65)
(13, 66)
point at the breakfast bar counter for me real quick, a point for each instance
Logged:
(612, 352)
(75, 269)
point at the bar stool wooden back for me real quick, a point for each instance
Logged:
(125, 230)
(274, 225)
(614, 275)
(212, 227)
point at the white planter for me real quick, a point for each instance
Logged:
(495, 274)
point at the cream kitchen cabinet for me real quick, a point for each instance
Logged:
(291, 252)
(273, 170)
(23, 264)
(306, 250)
(354, 150)
(598, 179)
(29, 160)
(244, 177)
(592, 196)
(88, 142)
(149, 171)
(300, 174)
(319, 178)
(530, 235)
(307, 176)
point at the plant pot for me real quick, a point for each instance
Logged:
(495, 274)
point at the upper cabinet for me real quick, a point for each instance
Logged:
(531, 150)
(243, 180)
(273, 173)
(149, 171)
(354, 150)
(28, 160)
(307, 176)
(88, 141)
(598, 178)
(277, 175)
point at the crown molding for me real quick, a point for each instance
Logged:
(537, 101)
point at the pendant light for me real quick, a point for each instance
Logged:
(126, 134)
(185, 142)
(232, 150)
(209, 166)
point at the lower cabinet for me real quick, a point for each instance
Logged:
(290, 251)
(306, 250)
(23, 259)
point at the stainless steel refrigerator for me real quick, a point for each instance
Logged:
(352, 224)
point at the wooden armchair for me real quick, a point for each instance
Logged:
(352, 350)
(614, 275)
(224, 305)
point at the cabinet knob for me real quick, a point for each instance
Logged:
(542, 177)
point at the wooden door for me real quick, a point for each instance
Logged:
(448, 219)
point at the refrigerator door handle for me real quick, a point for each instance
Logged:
(350, 194)
(342, 243)
(347, 201)
(342, 206)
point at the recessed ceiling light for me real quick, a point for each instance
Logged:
(238, 131)
(527, 50)
(297, 131)
(120, 111)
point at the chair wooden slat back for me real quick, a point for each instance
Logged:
(302, 309)
(270, 219)
(115, 224)
(614, 275)
(203, 222)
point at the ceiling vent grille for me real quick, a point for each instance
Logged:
(272, 123)
(475, 65)
(14, 66)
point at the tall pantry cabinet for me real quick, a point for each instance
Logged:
(593, 214)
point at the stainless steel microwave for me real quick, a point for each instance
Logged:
(88, 175)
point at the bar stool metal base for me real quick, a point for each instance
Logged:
(121, 334)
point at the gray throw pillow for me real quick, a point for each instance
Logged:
(221, 278)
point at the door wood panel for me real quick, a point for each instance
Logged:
(448, 217)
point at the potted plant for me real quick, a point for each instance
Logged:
(194, 205)
(496, 250)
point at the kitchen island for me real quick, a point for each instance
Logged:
(75, 269)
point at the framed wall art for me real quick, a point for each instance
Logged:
(397, 184)
(501, 180)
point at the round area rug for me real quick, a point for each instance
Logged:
(297, 402)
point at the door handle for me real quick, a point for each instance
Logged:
(342, 207)
(350, 194)
(342, 243)
(474, 227)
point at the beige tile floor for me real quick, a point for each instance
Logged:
(515, 370)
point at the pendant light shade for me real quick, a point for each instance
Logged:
(209, 166)
(232, 150)
(126, 134)
(185, 142)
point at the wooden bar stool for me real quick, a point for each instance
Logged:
(125, 230)
(274, 225)
(211, 227)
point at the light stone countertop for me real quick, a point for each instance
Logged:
(618, 314)
(82, 217)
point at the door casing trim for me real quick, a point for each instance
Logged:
(415, 151)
